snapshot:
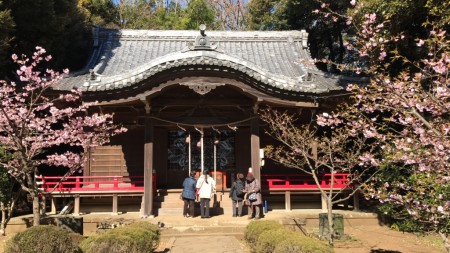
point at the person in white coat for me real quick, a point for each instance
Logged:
(207, 187)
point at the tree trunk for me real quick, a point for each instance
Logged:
(446, 241)
(3, 223)
(330, 221)
(36, 210)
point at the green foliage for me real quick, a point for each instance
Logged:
(136, 15)
(197, 13)
(267, 15)
(6, 33)
(422, 190)
(404, 18)
(270, 236)
(57, 25)
(325, 36)
(269, 239)
(39, 239)
(440, 12)
(138, 237)
(172, 17)
(301, 244)
(256, 228)
(99, 12)
(6, 182)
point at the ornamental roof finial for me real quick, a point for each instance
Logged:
(202, 29)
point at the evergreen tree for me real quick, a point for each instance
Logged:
(267, 15)
(6, 34)
(198, 12)
(100, 12)
(57, 25)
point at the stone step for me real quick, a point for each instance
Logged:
(179, 210)
(194, 230)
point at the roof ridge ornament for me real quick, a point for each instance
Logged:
(202, 41)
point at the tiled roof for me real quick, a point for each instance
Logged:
(277, 59)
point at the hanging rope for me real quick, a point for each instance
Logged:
(229, 125)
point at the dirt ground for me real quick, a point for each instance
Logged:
(373, 239)
(370, 239)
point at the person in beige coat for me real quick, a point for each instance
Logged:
(207, 187)
(253, 196)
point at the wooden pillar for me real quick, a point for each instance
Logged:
(53, 205)
(287, 199)
(87, 163)
(255, 146)
(76, 205)
(147, 200)
(356, 201)
(324, 203)
(115, 205)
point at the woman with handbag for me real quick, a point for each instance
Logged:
(253, 196)
(206, 188)
(188, 195)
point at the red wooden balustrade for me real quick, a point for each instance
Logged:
(136, 183)
(303, 181)
(94, 183)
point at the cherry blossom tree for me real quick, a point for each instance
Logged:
(327, 145)
(35, 121)
(415, 110)
(407, 110)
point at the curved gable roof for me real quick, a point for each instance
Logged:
(277, 59)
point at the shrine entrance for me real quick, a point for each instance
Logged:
(204, 148)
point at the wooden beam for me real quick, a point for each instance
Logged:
(245, 88)
(181, 102)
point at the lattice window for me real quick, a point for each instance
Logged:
(178, 152)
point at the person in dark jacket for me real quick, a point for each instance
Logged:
(188, 195)
(237, 194)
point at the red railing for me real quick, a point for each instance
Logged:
(303, 181)
(94, 183)
(136, 183)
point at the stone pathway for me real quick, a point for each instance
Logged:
(204, 244)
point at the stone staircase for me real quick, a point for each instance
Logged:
(168, 202)
(197, 226)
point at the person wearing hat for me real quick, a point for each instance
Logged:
(253, 196)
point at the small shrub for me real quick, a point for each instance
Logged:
(44, 238)
(107, 243)
(138, 237)
(301, 244)
(256, 228)
(269, 239)
(145, 225)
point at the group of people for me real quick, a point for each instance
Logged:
(242, 192)
(204, 188)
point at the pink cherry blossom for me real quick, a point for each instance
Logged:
(28, 117)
